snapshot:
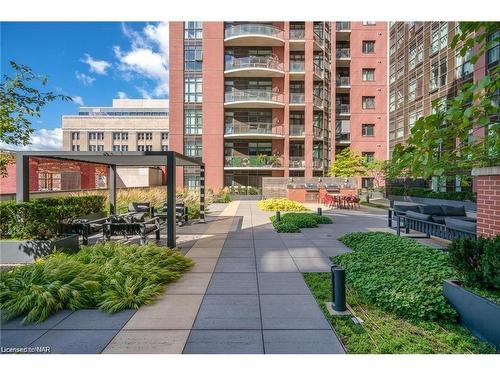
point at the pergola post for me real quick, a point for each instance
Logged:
(112, 189)
(202, 194)
(22, 177)
(171, 217)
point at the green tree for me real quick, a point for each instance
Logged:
(463, 132)
(20, 101)
(348, 164)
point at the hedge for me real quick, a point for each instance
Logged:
(280, 204)
(429, 193)
(291, 222)
(39, 218)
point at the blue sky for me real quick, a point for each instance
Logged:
(93, 62)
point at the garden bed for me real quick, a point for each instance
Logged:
(292, 222)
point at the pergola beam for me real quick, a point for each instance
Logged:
(112, 189)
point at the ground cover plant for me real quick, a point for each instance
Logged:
(107, 276)
(384, 332)
(291, 222)
(280, 204)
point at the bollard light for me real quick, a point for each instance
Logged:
(320, 211)
(278, 216)
(339, 289)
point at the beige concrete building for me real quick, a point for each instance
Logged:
(129, 125)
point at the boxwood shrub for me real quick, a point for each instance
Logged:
(39, 218)
(280, 204)
(398, 274)
(291, 222)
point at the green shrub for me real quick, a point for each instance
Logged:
(286, 228)
(477, 261)
(398, 275)
(108, 276)
(280, 204)
(291, 222)
(429, 193)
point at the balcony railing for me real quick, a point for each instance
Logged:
(317, 101)
(317, 132)
(343, 81)
(343, 53)
(297, 162)
(269, 62)
(297, 98)
(257, 161)
(342, 137)
(297, 66)
(342, 108)
(317, 163)
(297, 34)
(297, 130)
(239, 95)
(253, 29)
(252, 128)
(318, 38)
(343, 26)
(318, 70)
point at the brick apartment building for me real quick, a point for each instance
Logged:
(277, 98)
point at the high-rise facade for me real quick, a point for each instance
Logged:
(276, 98)
(423, 69)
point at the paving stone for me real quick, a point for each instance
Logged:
(238, 252)
(224, 342)
(203, 264)
(265, 264)
(50, 322)
(302, 342)
(272, 253)
(241, 235)
(204, 252)
(19, 338)
(170, 312)
(234, 243)
(229, 312)
(333, 251)
(313, 264)
(233, 283)
(291, 312)
(76, 341)
(292, 236)
(95, 319)
(235, 265)
(330, 243)
(305, 252)
(268, 234)
(269, 244)
(190, 283)
(290, 244)
(148, 342)
(282, 283)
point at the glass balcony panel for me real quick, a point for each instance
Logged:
(342, 108)
(297, 98)
(317, 163)
(343, 26)
(250, 128)
(317, 101)
(343, 53)
(343, 81)
(297, 130)
(253, 95)
(318, 70)
(253, 161)
(297, 34)
(297, 66)
(297, 162)
(269, 62)
(252, 29)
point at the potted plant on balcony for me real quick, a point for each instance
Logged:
(274, 160)
(262, 159)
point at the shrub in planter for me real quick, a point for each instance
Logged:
(491, 264)
(291, 222)
(286, 228)
(280, 204)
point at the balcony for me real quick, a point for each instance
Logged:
(343, 53)
(297, 162)
(254, 66)
(317, 102)
(318, 41)
(253, 34)
(318, 72)
(317, 132)
(253, 130)
(297, 39)
(297, 100)
(297, 130)
(297, 70)
(342, 109)
(317, 163)
(253, 98)
(343, 81)
(253, 162)
(297, 34)
(342, 138)
(342, 26)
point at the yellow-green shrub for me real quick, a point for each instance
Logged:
(280, 204)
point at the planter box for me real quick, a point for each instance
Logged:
(469, 206)
(479, 315)
(27, 251)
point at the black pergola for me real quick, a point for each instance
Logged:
(169, 159)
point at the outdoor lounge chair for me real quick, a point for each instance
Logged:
(127, 225)
(83, 225)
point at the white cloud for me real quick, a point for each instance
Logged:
(78, 100)
(96, 66)
(84, 79)
(41, 140)
(146, 57)
(121, 95)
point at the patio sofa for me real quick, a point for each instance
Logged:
(83, 225)
(130, 225)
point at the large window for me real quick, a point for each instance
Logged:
(368, 46)
(392, 101)
(438, 74)
(144, 136)
(392, 73)
(96, 136)
(439, 36)
(412, 90)
(192, 121)
(193, 58)
(369, 23)
(463, 66)
(75, 136)
(368, 130)
(193, 89)
(368, 155)
(120, 136)
(193, 30)
(493, 54)
(192, 147)
(416, 54)
(368, 74)
(400, 127)
(414, 116)
(368, 102)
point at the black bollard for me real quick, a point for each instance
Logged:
(333, 282)
(339, 289)
(278, 216)
(320, 211)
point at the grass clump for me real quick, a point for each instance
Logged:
(386, 333)
(108, 276)
(398, 275)
(280, 204)
(291, 222)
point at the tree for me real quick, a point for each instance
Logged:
(348, 164)
(19, 103)
(377, 170)
(463, 132)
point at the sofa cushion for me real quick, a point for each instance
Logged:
(405, 208)
(438, 219)
(458, 224)
(419, 216)
(453, 210)
(140, 207)
(430, 210)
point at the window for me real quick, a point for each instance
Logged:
(140, 148)
(116, 147)
(75, 147)
(144, 136)
(392, 101)
(193, 58)
(400, 67)
(92, 148)
(164, 147)
(149, 148)
(399, 97)
(412, 90)
(416, 54)
(368, 130)
(368, 46)
(48, 181)
(124, 147)
(414, 116)
(75, 135)
(367, 182)
(463, 66)
(493, 54)
(368, 74)
(369, 23)
(192, 147)
(193, 30)
(368, 102)
(392, 73)
(400, 124)
(439, 105)
(192, 121)
(120, 136)
(392, 42)
(96, 136)
(164, 136)
(369, 156)
(439, 36)
(438, 74)
(193, 89)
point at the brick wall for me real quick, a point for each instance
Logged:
(488, 201)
